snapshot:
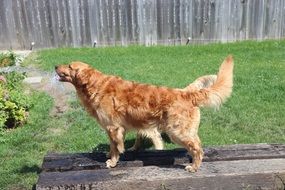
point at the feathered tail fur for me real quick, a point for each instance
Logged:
(220, 90)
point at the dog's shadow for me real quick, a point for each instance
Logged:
(145, 144)
(146, 155)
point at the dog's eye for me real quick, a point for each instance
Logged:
(69, 66)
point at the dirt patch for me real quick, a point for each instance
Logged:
(62, 93)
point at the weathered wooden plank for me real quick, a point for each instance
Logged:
(55, 22)
(282, 20)
(3, 26)
(93, 21)
(196, 31)
(255, 19)
(176, 22)
(241, 23)
(124, 19)
(190, 20)
(48, 26)
(129, 21)
(211, 21)
(244, 174)
(63, 32)
(110, 22)
(149, 22)
(81, 161)
(11, 22)
(163, 21)
(104, 30)
(18, 42)
(135, 21)
(233, 10)
(23, 24)
(278, 18)
(117, 24)
(273, 22)
(204, 21)
(86, 41)
(183, 20)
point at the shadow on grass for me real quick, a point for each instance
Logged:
(30, 169)
(146, 144)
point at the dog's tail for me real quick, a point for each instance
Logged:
(201, 82)
(221, 88)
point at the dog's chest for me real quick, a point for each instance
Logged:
(94, 108)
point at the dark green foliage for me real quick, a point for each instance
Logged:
(14, 104)
(7, 59)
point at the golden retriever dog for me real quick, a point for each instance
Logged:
(153, 134)
(119, 106)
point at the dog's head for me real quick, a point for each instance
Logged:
(75, 72)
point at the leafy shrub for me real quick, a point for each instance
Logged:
(14, 104)
(7, 59)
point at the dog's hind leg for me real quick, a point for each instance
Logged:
(151, 133)
(184, 131)
(138, 143)
(156, 139)
(116, 136)
(193, 146)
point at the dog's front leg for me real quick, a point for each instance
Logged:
(116, 136)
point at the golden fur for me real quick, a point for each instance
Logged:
(119, 106)
(153, 134)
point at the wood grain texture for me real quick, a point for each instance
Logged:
(77, 23)
(259, 166)
(221, 175)
(81, 161)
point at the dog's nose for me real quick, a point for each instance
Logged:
(56, 67)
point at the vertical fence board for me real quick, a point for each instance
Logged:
(211, 21)
(4, 24)
(240, 20)
(93, 21)
(3, 27)
(282, 34)
(110, 22)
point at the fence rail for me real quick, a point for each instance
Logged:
(76, 23)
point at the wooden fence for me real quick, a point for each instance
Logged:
(76, 23)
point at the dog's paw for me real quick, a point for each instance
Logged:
(110, 163)
(190, 169)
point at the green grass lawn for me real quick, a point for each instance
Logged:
(254, 114)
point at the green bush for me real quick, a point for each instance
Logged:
(7, 59)
(14, 104)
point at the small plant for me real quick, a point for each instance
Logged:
(14, 104)
(7, 59)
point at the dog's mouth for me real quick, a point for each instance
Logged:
(62, 77)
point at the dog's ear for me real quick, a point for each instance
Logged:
(82, 77)
(77, 65)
